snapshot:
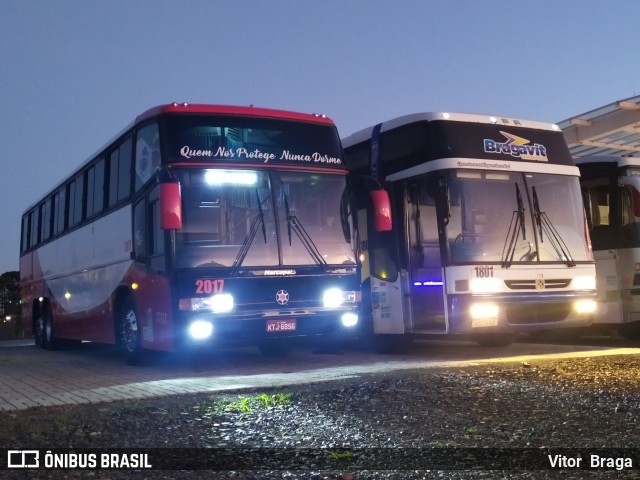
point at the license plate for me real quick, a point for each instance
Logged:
(484, 322)
(288, 325)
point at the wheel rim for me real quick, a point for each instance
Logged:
(129, 329)
(47, 330)
(39, 330)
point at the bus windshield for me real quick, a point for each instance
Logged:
(258, 218)
(510, 217)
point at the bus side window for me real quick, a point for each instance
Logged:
(59, 200)
(120, 172)
(95, 189)
(24, 244)
(597, 200)
(156, 244)
(147, 153)
(629, 205)
(45, 220)
(76, 197)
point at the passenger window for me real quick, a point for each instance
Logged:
(120, 173)
(597, 200)
(147, 154)
(45, 220)
(33, 228)
(95, 188)
(76, 192)
(24, 244)
(59, 200)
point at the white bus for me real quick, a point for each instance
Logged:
(488, 233)
(611, 192)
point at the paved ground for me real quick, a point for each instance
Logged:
(31, 377)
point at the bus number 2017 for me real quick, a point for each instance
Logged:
(209, 286)
(484, 271)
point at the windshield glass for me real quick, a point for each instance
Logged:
(311, 215)
(229, 219)
(512, 217)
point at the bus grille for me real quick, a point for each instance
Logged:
(531, 284)
(523, 314)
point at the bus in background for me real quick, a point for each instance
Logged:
(611, 193)
(488, 232)
(197, 224)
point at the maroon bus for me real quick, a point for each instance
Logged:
(197, 224)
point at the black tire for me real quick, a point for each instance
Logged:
(50, 342)
(495, 339)
(129, 334)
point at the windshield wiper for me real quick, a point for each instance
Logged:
(294, 224)
(515, 227)
(544, 225)
(248, 240)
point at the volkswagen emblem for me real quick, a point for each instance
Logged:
(282, 297)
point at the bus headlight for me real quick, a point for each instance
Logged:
(585, 306)
(218, 303)
(334, 297)
(349, 319)
(200, 329)
(485, 285)
(584, 283)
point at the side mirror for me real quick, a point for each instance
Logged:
(381, 210)
(170, 206)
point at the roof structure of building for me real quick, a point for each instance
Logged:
(612, 129)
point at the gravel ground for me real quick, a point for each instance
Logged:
(425, 423)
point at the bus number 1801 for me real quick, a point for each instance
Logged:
(484, 271)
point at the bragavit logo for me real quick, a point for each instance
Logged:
(517, 147)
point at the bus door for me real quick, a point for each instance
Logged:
(600, 199)
(608, 286)
(425, 277)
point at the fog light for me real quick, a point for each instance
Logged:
(484, 310)
(200, 329)
(585, 306)
(349, 319)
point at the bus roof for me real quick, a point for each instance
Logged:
(617, 160)
(249, 111)
(365, 134)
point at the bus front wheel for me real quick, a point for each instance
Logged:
(129, 333)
